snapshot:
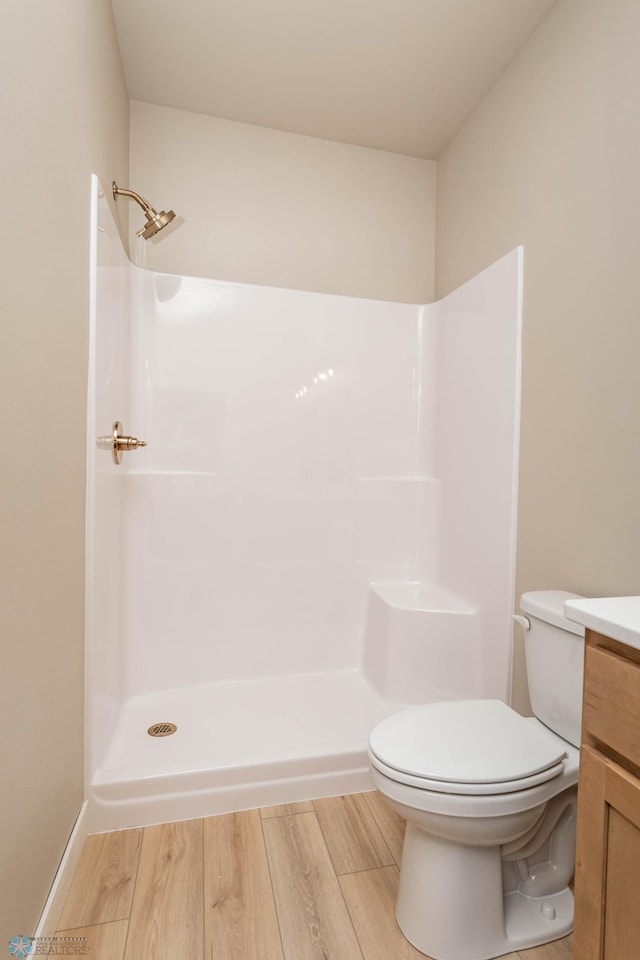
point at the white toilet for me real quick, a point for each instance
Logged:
(490, 803)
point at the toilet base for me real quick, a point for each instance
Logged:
(451, 904)
(529, 923)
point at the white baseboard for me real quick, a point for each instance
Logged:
(64, 875)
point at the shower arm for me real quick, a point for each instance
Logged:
(120, 192)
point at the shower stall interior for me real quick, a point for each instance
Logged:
(319, 531)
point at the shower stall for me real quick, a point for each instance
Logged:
(319, 531)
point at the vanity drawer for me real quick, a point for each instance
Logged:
(611, 709)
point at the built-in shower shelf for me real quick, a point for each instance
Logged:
(170, 473)
(420, 596)
(397, 478)
(369, 478)
(421, 642)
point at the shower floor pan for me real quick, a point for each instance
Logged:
(238, 745)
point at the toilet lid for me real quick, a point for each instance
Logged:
(466, 742)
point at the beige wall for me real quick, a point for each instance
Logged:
(268, 207)
(64, 114)
(551, 159)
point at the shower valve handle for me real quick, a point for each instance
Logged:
(130, 443)
(118, 442)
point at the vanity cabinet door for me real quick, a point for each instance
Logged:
(607, 921)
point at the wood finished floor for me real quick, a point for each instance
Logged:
(304, 881)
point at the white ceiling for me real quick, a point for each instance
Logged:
(400, 75)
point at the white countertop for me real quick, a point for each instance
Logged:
(615, 617)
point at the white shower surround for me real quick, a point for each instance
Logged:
(320, 530)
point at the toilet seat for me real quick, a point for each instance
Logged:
(467, 789)
(466, 747)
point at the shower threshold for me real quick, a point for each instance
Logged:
(238, 744)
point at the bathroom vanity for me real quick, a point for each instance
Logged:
(607, 884)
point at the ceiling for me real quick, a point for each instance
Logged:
(399, 75)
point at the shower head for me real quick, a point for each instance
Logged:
(155, 221)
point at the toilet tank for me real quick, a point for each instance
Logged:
(554, 650)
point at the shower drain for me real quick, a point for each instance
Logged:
(162, 729)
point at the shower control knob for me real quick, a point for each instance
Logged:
(118, 442)
(130, 443)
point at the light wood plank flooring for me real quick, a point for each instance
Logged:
(305, 881)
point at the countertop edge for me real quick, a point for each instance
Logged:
(615, 617)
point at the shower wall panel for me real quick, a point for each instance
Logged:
(284, 472)
(475, 454)
(108, 392)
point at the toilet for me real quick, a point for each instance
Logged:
(489, 798)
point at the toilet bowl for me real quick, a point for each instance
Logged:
(490, 802)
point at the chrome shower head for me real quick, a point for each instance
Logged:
(155, 221)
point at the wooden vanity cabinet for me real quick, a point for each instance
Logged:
(607, 884)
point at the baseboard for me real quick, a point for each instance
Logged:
(48, 922)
